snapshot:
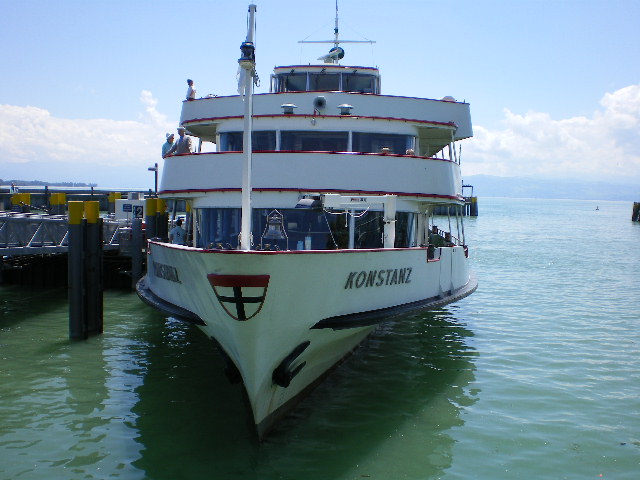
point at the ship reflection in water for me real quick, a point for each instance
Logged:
(406, 387)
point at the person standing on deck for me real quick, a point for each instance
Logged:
(178, 235)
(166, 146)
(183, 145)
(191, 92)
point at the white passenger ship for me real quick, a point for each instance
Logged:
(322, 228)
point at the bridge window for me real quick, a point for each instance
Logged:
(356, 82)
(315, 141)
(289, 82)
(324, 81)
(350, 81)
(375, 142)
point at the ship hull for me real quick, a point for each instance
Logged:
(284, 319)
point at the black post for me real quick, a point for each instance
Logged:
(150, 217)
(93, 268)
(154, 169)
(75, 281)
(136, 251)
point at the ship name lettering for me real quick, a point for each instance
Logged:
(166, 272)
(378, 278)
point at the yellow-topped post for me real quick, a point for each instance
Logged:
(151, 208)
(113, 196)
(93, 286)
(15, 202)
(20, 202)
(92, 211)
(75, 259)
(76, 212)
(58, 201)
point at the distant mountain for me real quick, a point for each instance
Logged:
(520, 187)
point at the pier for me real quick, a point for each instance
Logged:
(470, 204)
(48, 240)
(34, 247)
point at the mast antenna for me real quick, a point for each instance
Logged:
(336, 53)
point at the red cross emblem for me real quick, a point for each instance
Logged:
(241, 296)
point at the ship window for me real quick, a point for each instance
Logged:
(293, 82)
(305, 229)
(355, 82)
(406, 228)
(369, 230)
(314, 141)
(218, 226)
(375, 142)
(262, 140)
(324, 81)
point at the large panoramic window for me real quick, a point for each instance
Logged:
(302, 229)
(314, 141)
(375, 142)
(232, 141)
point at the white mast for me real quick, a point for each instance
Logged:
(248, 70)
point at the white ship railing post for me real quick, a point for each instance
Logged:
(389, 221)
(247, 65)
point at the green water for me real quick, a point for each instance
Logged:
(536, 375)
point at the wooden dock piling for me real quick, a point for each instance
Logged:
(85, 288)
(137, 246)
(58, 203)
(635, 215)
(150, 217)
(93, 267)
(76, 272)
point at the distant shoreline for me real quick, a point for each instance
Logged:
(524, 187)
(39, 183)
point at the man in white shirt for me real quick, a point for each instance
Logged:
(191, 92)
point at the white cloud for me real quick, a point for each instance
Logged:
(36, 145)
(605, 146)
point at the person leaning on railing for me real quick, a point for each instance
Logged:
(183, 145)
(166, 146)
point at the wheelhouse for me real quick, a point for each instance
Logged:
(325, 78)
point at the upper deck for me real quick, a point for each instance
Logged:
(435, 123)
(313, 115)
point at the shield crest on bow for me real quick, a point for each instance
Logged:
(241, 296)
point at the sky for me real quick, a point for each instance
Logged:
(88, 89)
